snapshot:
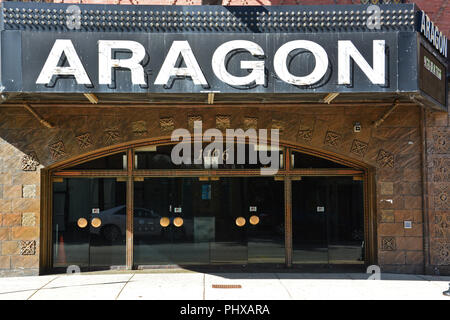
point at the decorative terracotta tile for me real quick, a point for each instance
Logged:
(167, 124)
(223, 122)
(385, 159)
(30, 162)
(440, 252)
(388, 243)
(440, 196)
(441, 170)
(332, 139)
(139, 128)
(57, 150)
(250, 123)
(112, 135)
(192, 119)
(27, 247)
(359, 148)
(441, 141)
(84, 141)
(442, 225)
(305, 135)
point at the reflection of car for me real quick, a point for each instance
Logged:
(114, 222)
(146, 223)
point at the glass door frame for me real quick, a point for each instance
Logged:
(129, 174)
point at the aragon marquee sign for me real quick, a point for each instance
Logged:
(183, 49)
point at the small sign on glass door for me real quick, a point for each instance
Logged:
(321, 209)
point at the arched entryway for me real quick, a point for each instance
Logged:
(132, 207)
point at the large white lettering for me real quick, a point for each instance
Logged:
(106, 63)
(281, 68)
(51, 67)
(347, 50)
(219, 63)
(169, 69)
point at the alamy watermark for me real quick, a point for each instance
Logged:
(264, 152)
(374, 20)
(73, 19)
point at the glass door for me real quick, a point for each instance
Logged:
(264, 208)
(310, 201)
(173, 221)
(89, 223)
(328, 220)
(195, 221)
(230, 241)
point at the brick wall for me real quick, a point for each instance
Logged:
(19, 213)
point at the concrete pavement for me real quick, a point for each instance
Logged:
(186, 285)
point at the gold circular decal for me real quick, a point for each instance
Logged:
(82, 223)
(240, 221)
(178, 222)
(164, 222)
(96, 222)
(254, 220)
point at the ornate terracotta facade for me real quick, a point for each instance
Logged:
(393, 149)
(409, 152)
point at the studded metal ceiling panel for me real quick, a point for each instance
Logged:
(198, 19)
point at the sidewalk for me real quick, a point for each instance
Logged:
(199, 286)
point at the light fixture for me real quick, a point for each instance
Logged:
(254, 220)
(164, 222)
(240, 221)
(96, 222)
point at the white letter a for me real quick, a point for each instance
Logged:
(75, 67)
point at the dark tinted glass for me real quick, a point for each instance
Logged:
(112, 162)
(89, 222)
(305, 161)
(250, 157)
(328, 220)
(186, 221)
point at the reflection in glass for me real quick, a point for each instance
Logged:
(100, 244)
(203, 218)
(116, 161)
(328, 220)
(306, 161)
(164, 222)
(160, 157)
(240, 221)
(82, 222)
(178, 222)
(254, 220)
(96, 222)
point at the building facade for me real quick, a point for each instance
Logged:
(88, 178)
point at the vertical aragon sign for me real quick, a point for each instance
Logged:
(432, 76)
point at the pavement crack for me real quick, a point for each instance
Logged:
(42, 287)
(281, 282)
(117, 297)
